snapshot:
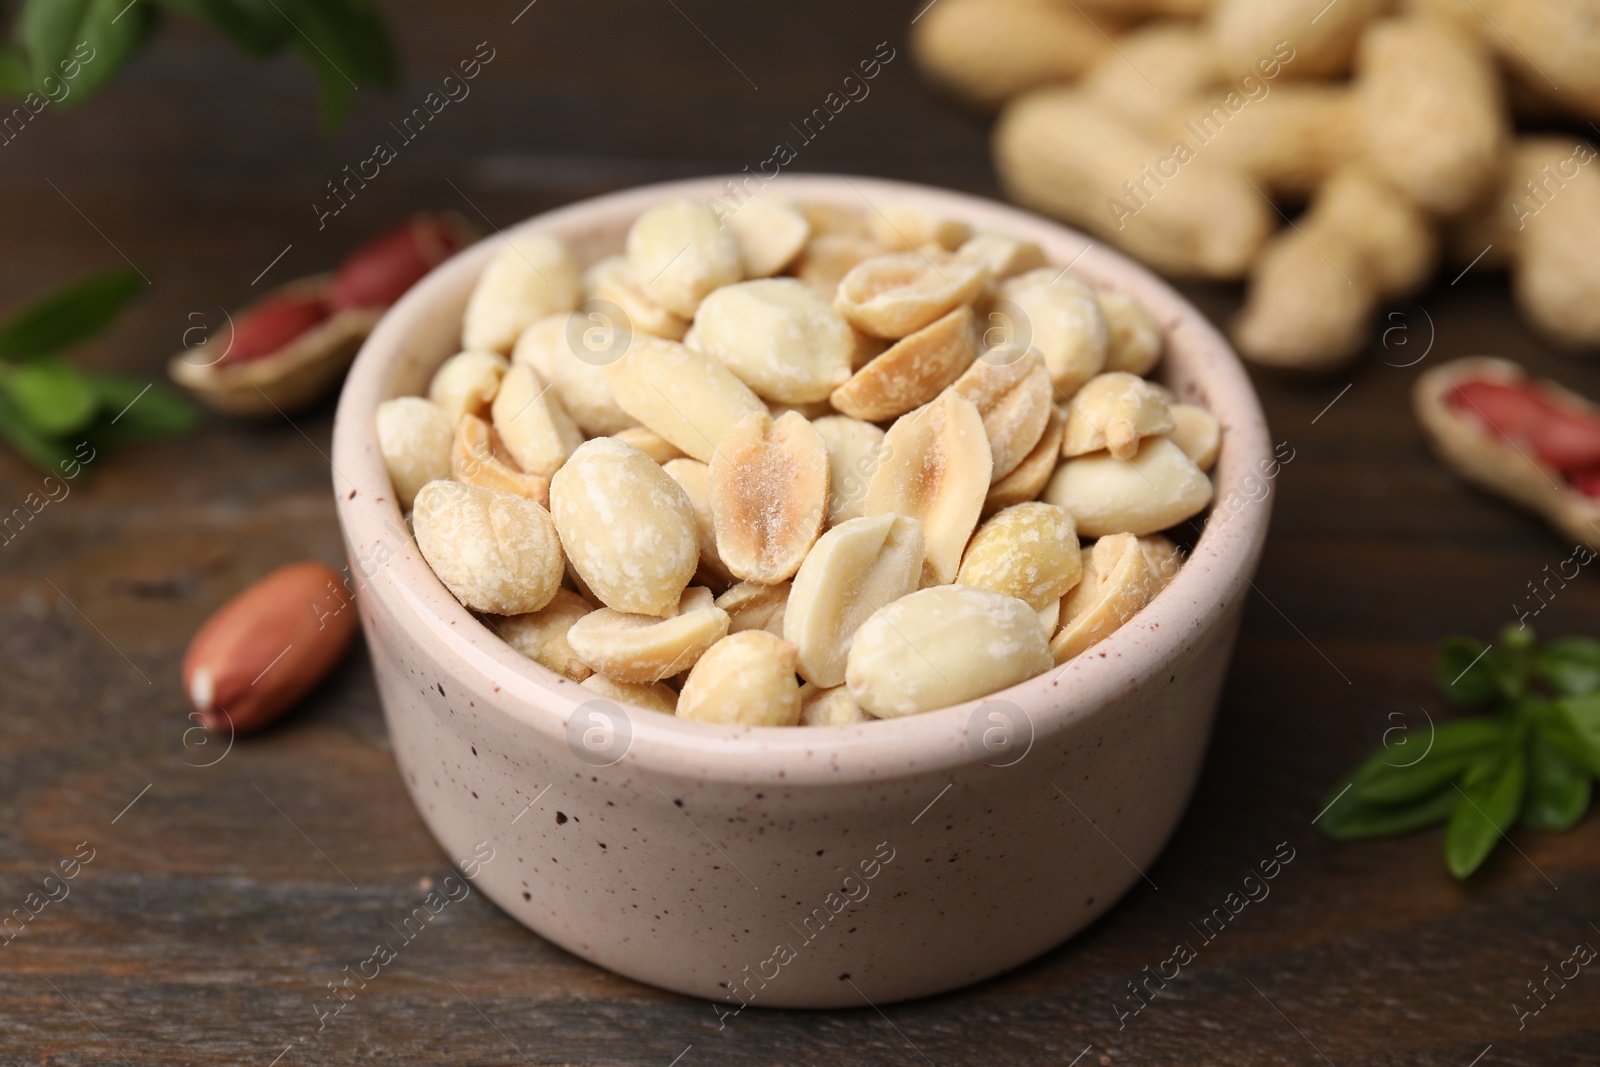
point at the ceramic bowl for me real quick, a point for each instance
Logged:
(803, 867)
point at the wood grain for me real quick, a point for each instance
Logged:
(219, 904)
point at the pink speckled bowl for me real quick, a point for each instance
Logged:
(806, 867)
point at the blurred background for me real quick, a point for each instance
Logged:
(207, 924)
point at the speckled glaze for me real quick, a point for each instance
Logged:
(805, 867)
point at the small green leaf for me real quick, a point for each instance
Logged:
(1461, 674)
(1570, 665)
(346, 46)
(1558, 789)
(76, 46)
(138, 409)
(1349, 819)
(15, 78)
(52, 398)
(1490, 804)
(50, 456)
(72, 313)
(255, 26)
(1579, 718)
(1392, 774)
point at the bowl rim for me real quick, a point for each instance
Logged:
(1211, 581)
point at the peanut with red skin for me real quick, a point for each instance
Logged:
(259, 653)
(270, 325)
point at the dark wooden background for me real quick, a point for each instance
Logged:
(215, 910)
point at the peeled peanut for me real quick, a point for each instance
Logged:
(415, 436)
(899, 293)
(612, 280)
(828, 257)
(1433, 113)
(1015, 401)
(1116, 584)
(1050, 615)
(855, 568)
(1197, 432)
(679, 253)
(628, 528)
(941, 646)
(853, 450)
(1029, 478)
(1133, 340)
(1063, 323)
(1065, 153)
(912, 371)
(465, 383)
(778, 337)
(1162, 556)
(575, 373)
(985, 51)
(1114, 411)
(755, 606)
(263, 650)
(532, 276)
(1029, 551)
(1003, 256)
(542, 635)
(935, 468)
(769, 494)
(829, 219)
(1312, 38)
(650, 443)
(903, 227)
(480, 457)
(495, 552)
(685, 396)
(655, 696)
(532, 422)
(1158, 488)
(695, 478)
(829, 707)
(746, 679)
(769, 232)
(647, 648)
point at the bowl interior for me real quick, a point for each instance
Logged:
(424, 328)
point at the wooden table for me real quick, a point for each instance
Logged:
(220, 899)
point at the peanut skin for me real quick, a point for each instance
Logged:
(268, 646)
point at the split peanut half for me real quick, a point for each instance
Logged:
(647, 648)
(768, 488)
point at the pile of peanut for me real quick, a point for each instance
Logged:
(859, 448)
(1180, 130)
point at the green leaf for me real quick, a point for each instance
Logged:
(76, 46)
(1558, 789)
(1490, 804)
(1349, 819)
(1577, 721)
(15, 78)
(74, 312)
(346, 46)
(1393, 773)
(138, 409)
(51, 456)
(52, 398)
(1570, 665)
(1461, 674)
(255, 26)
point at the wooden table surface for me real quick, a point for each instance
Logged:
(213, 911)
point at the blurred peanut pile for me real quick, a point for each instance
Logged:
(1181, 131)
